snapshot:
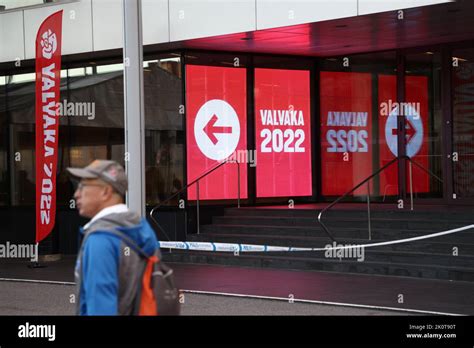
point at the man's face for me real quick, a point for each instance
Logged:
(89, 197)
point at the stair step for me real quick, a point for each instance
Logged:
(361, 222)
(429, 258)
(446, 214)
(460, 237)
(298, 241)
(390, 256)
(329, 265)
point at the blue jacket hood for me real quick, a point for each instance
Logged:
(130, 224)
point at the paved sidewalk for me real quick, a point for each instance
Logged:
(367, 290)
(54, 299)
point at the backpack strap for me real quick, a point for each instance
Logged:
(129, 241)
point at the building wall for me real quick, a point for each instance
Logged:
(95, 25)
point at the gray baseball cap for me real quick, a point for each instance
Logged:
(109, 171)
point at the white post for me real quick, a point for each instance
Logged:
(134, 105)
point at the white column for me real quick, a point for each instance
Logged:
(134, 105)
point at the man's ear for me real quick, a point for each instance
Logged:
(108, 192)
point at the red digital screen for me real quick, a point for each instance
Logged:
(415, 110)
(346, 131)
(216, 130)
(283, 133)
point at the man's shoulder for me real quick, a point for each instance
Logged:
(102, 237)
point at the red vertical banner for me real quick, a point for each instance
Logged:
(415, 110)
(346, 131)
(48, 79)
(216, 130)
(283, 132)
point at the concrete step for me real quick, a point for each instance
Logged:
(360, 222)
(387, 212)
(430, 258)
(427, 246)
(339, 233)
(322, 264)
(388, 256)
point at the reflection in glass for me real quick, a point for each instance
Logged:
(353, 127)
(463, 122)
(164, 135)
(423, 130)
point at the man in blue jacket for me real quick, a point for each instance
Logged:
(108, 266)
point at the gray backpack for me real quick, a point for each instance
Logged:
(148, 284)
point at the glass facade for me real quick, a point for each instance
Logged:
(423, 92)
(164, 134)
(91, 126)
(308, 128)
(462, 75)
(360, 110)
(354, 139)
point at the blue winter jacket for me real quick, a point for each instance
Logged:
(108, 266)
